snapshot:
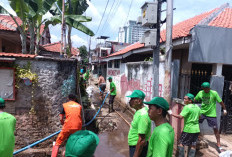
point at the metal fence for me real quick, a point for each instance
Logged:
(226, 121)
(191, 82)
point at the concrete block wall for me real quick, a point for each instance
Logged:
(55, 79)
(137, 75)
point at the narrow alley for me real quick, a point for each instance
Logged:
(113, 128)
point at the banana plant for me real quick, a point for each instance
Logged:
(31, 13)
(21, 10)
(72, 8)
(38, 8)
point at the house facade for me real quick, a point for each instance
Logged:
(189, 72)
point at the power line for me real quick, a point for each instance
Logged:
(107, 18)
(128, 12)
(114, 10)
(102, 17)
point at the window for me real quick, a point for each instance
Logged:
(117, 64)
(7, 84)
(110, 64)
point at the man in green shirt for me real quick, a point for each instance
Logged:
(7, 128)
(189, 136)
(113, 93)
(162, 138)
(140, 130)
(208, 108)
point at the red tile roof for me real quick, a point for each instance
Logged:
(4, 54)
(2, 27)
(224, 19)
(55, 47)
(127, 49)
(9, 23)
(183, 28)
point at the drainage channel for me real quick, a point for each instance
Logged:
(112, 129)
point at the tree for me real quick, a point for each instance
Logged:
(31, 13)
(73, 11)
(84, 54)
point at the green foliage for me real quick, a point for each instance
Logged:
(30, 12)
(73, 21)
(149, 59)
(84, 54)
(25, 72)
(73, 15)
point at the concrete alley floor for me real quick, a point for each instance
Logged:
(226, 143)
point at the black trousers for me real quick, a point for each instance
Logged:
(111, 103)
(143, 153)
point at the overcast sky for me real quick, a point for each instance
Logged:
(120, 14)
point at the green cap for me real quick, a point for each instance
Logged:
(159, 101)
(109, 78)
(205, 85)
(190, 96)
(2, 102)
(137, 94)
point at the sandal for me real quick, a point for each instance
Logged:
(220, 149)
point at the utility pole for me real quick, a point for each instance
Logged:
(90, 59)
(63, 31)
(156, 52)
(168, 49)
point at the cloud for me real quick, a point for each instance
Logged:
(77, 41)
(54, 38)
(7, 6)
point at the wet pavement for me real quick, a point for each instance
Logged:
(113, 129)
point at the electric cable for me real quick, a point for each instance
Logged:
(114, 14)
(107, 18)
(102, 17)
(128, 12)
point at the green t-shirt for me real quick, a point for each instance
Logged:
(191, 114)
(7, 138)
(161, 141)
(86, 76)
(141, 124)
(208, 106)
(111, 87)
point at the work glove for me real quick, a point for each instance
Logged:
(170, 112)
(224, 112)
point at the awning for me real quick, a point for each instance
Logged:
(211, 45)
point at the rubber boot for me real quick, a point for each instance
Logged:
(192, 153)
(181, 151)
(55, 150)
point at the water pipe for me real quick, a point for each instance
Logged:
(50, 136)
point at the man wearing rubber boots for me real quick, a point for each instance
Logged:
(7, 128)
(140, 130)
(191, 113)
(208, 109)
(162, 138)
(72, 123)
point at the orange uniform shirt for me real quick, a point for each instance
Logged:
(73, 115)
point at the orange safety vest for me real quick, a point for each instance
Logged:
(73, 115)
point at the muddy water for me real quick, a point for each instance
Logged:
(113, 144)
